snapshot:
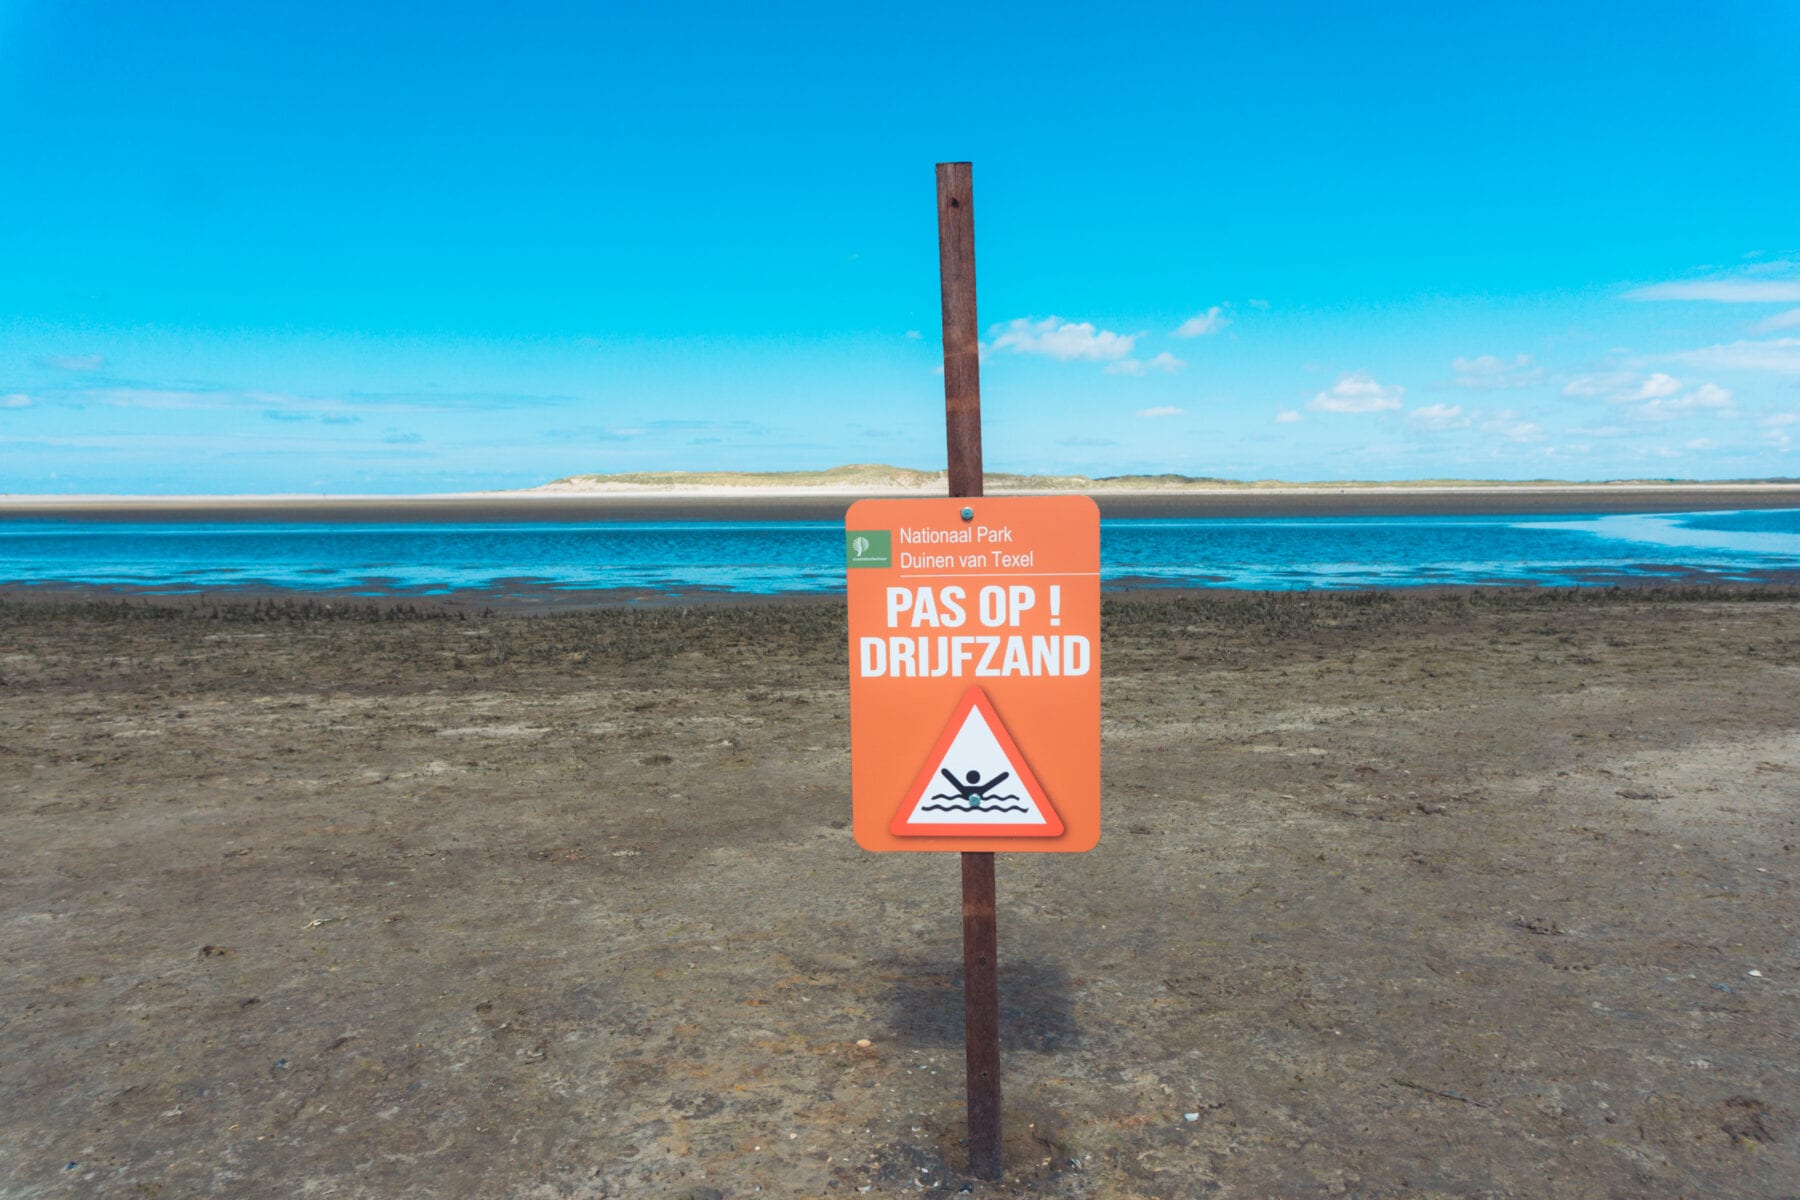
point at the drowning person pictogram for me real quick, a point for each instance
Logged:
(991, 788)
(973, 794)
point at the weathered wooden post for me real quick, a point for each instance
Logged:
(962, 432)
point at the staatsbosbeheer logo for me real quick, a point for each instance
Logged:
(869, 548)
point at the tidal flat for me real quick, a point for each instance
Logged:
(1426, 894)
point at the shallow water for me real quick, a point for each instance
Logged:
(1279, 554)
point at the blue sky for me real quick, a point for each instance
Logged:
(411, 248)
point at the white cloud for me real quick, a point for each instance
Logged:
(1357, 392)
(1781, 355)
(1599, 385)
(163, 398)
(913, 335)
(1508, 425)
(1287, 418)
(1728, 291)
(1658, 396)
(1665, 406)
(75, 362)
(1161, 410)
(1781, 418)
(15, 400)
(1165, 363)
(1210, 321)
(1786, 320)
(1702, 444)
(1658, 385)
(1439, 416)
(1490, 373)
(1065, 341)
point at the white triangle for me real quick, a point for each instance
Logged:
(974, 758)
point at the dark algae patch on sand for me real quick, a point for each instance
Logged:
(1424, 895)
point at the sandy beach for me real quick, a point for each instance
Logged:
(1447, 895)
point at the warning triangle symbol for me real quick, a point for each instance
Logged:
(975, 782)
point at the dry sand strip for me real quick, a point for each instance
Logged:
(829, 503)
(1453, 895)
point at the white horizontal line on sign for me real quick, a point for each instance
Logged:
(992, 571)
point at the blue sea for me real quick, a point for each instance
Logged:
(695, 558)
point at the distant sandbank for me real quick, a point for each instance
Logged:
(777, 502)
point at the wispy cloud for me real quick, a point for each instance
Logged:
(1781, 355)
(1726, 291)
(15, 400)
(1288, 417)
(1164, 364)
(1488, 372)
(1357, 392)
(294, 417)
(160, 398)
(1065, 341)
(1210, 321)
(1583, 386)
(1620, 387)
(589, 433)
(1601, 431)
(1439, 416)
(343, 408)
(1161, 410)
(1658, 396)
(1707, 398)
(75, 362)
(1775, 426)
(1787, 320)
(1508, 425)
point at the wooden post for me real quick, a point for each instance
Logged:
(981, 1013)
(962, 431)
(962, 335)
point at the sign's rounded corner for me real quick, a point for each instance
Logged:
(1080, 845)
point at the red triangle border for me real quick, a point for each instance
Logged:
(972, 699)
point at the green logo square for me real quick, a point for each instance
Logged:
(869, 548)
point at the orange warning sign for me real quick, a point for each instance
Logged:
(975, 673)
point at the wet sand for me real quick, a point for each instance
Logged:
(1424, 895)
